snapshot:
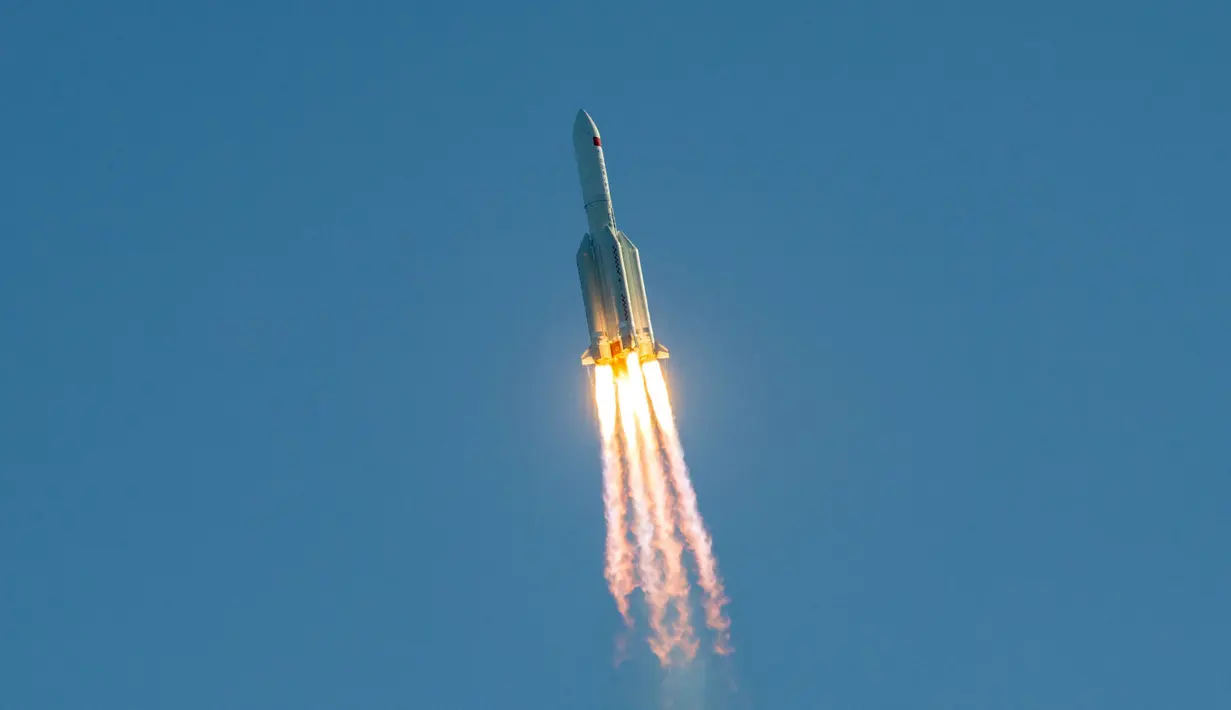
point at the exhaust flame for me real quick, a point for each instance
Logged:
(643, 525)
(619, 569)
(693, 527)
(665, 539)
(644, 453)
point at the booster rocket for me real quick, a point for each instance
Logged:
(609, 265)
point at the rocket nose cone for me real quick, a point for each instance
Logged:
(584, 130)
(585, 122)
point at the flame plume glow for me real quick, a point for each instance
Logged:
(644, 470)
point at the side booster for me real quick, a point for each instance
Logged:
(609, 266)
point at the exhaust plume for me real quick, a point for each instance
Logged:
(643, 468)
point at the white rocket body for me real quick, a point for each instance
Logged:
(609, 266)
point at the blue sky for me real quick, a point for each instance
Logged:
(292, 414)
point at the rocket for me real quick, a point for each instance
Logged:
(609, 266)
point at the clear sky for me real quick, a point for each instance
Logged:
(291, 414)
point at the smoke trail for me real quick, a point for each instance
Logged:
(651, 582)
(665, 540)
(691, 523)
(643, 466)
(619, 570)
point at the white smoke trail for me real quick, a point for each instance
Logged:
(618, 570)
(691, 524)
(643, 528)
(665, 540)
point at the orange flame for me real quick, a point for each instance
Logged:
(638, 432)
(643, 529)
(665, 540)
(692, 525)
(619, 569)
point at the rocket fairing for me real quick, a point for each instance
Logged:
(609, 266)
